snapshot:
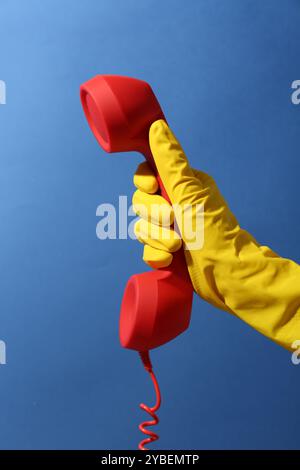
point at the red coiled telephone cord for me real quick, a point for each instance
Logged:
(150, 410)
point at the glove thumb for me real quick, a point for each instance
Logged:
(178, 178)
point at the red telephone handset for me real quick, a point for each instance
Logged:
(156, 305)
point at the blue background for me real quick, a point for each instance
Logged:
(223, 73)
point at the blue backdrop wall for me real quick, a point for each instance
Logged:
(223, 73)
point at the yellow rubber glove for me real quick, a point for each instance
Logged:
(231, 270)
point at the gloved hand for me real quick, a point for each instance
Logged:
(231, 270)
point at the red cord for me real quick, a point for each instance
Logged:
(150, 410)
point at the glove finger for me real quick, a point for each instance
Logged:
(153, 208)
(144, 179)
(156, 258)
(156, 236)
